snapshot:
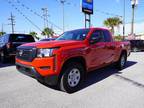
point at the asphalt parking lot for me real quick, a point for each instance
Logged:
(104, 88)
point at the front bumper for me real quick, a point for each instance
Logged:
(27, 70)
(44, 66)
(31, 71)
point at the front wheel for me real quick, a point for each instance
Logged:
(122, 61)
(72, 78)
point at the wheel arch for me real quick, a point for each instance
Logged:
(123, 52)
(78, 59)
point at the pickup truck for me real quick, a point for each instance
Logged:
(9, 42)
(66, 61)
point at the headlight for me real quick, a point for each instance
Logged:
(44, 52)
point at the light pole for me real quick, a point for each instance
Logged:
(123, 19)
(134, 3)
(63, 3)
(2, 27)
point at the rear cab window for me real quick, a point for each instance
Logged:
(21, 38)
(104, 34)
(107, 36)
(96, 34)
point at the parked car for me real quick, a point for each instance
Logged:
(48, 39)
(9, 43)
(137, 45)
(66, 61)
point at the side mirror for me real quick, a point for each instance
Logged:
(94, 39)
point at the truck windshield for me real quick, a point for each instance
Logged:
(79, 34)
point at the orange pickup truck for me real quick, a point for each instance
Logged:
(66, 60)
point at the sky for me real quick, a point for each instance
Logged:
(74, 18)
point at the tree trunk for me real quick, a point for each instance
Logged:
(112, 30)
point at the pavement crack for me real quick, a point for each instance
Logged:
(131, 81)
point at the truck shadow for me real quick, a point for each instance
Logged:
(99, 75)
(9, 63)
(6, 65)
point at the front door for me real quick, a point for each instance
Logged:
(97, 53)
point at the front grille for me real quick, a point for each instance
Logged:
(26, 53)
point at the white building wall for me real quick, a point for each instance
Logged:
(138, 29)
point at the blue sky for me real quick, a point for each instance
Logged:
(74, 18)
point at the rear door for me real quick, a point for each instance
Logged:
(110, 47)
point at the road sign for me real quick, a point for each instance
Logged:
(87, 6)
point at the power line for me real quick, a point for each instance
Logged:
(138, 21)
(24, 15)
(107, 13)
(97, 10)
(34, 12)
(67, 3)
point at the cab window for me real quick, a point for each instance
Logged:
(107, 36)
(97, 36)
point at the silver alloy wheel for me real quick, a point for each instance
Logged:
(122, 61)
(1, 55)
(74, 77)
(135, 50)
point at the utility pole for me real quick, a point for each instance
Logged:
(12, 20)
(45, 17)
(134, 3)
(63, 3)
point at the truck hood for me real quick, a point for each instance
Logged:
(51, 44)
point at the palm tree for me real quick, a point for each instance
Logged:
(34, 34)
(47, 32)
(2, 33)
(112, 22)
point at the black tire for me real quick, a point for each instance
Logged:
(69, 82)
(42, 81)
(3, 57)
(122, 61)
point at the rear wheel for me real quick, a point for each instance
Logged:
(122, 61)
(2, 57)
(72, 78)
(135, 49)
